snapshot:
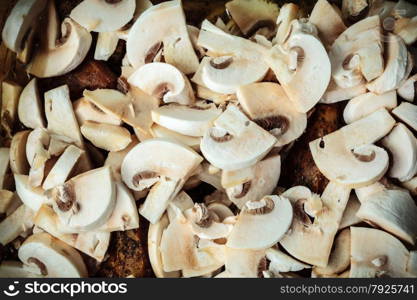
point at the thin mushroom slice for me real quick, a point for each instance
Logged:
(349, 215)
(53, 257)
(179, 204)
(271, 216)
(221, 210)
(407, 113)
(287, 13)
(110, 101)
(4, 166)
(86, 201)
(335, 93)
(159, 131)
(37, 155)
(10, 93)
(406, 29)
(408, 89)
(18, 160)
(30, 196)
(15, 224)
(235, 142)
(87, 111)
(281, 262)
(106, 45)
(30, 108)
(7, 200)
(244, 263)
(106, 136)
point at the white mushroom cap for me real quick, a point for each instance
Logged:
(30, 109)
(32, 197)
(261, 223)
(53, 257)
(106, 136)
(408, 89)
(18, 160)
(281, 262)
(15, 224)
(407, 113)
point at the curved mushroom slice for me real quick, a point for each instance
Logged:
(235, 142)
(115, 159)
(221, 210)
(349, 215)
(10, 93)
(302, 62)
(363, 105)
(281, 262)
(192, 120)
(15, 224)
(402, 145)
(103, 16)
(287, 13)
(348, 157)
(86, 201)
(19, 22)
(87, 111)
(30, 196)
(308, 241)
(53, 257)
(162, 132)
(328, 21)
(356, 55)
(375, 253)
(157, 157)
(408, 89)
(163, 81)
(271, 216)
(106, 136)
(29, 108)
(60, 115)
(145, 39)
(18, 160)
(57, 56)
(179, 204)
(407, 113)
(15, 269)
(339, 259)
(267, 105)
(397, 67)
(37, 155)
(244, 263)
(335, 93)
(264, 179)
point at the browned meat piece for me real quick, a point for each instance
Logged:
(299, 167)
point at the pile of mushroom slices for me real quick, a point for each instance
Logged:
(220, 105)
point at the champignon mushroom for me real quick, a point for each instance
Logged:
(355, 10)
(10, 93)
(406, 29)
(245, 263)
(37, 155)
(407, 113)
(408, 89)
(281, 262)
(15, 224)
(32, 197)
(348, 157)
(179, 204)
(18, 160)
(349, 215)
(159, 131)
(87, 111)
(335, 93)
(287, 13)
(15, 269)
(29, 108)
(7, 200)
(405, 9)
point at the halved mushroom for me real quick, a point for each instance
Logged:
(10, 93)
(60, 54)
(145, 39)
(245, 263)
(162, 132)
(15, 224)
(348, 157)
(106, 136)
(192, 120)
(281, 262)
(375, 253)
(235, 142)
(363, 105)
(18, 160)
(15, 269)
(335, 93)
(349, 215)
(163, 81)
(267, 105)
(86, 201)
(402, 145)
(356, 55)
(53, 257)
(19, 22)
(87, 111)
(261, 223)
(29, 108)
(32, 197)
(60, 115)
(407, 113)
(408, 89)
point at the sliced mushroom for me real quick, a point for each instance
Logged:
(411, 186)
(408, 89)
(281, 262)
(30, 109)
(7, 199)
(221, 210)
(407, 113)
(288, 12)
(335, 93)
(37, 155)
(405, 9)
(267, 105)
(245, 263)
(406, 29)
(348, 157)
(10, 93)
(86, 201)
(53, 257)
(57, 56)
(363, 105)
(349, 215)
(145, 39)
(18, 160)
(179, 204)
(235, 142)
(106, 45)
(15, 269)
(188, 120)
(15, 224)
(56, 145)
(106, 136)
(87, 111)
(30, 196)
(163, 81)
(354, 10)
(162, 132)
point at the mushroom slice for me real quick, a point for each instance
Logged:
(56, 145)
(356, 55)
(348, 157)
(363, 105)
(30, 196)
(37, 155)
(221, 210)
(328, 21)
(163, 81)
(411, 186)
(405, 9)
(19, 21)
(412, 263)
(339, 259)
(302, 62)
(179, 204)
(396, 67)
(53, 257)
(18, 160)
(10, 93)
(354, 10)
(281, 262)
(188, 120)
(106, 45)
(406, 29)
(79, 205)
(4, 166)
(235, 142)
(271, 216)
(15, 269)
(264, 179)
(267, 105)
(407, 113)
(244, 263)
(106, 136)
(59, 56)
(154, 252)
(145, 39)
(408, 89)
(60, 115)
(109, 101)
(112, 15)
(157, 157)
(349, 215)
(392, 209)
(29, 108)
(87, 111)
(287, 13)
(162, 132)
(115, 159)
(375, 253)
(402, 145)
(7, 199)
(15, 224)
(335, 93)
(63, 167)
